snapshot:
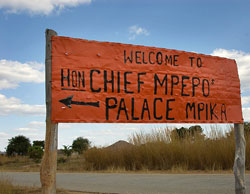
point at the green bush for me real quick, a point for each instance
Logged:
(80, 145)
(67, 150)
(18, 145)
(39, 143)
(35, 152)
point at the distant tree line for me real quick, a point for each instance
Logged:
(190, 132)
(21, 146)
(79, 146)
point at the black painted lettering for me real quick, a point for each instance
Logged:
(223, 112)
(118, 82)
(65, 77)
(212, 111)
(201, 107)
(122, 107)
(169, 109)
(190, 107)
(164, 81)
(139, 80)
(159, 58)
(195, 83)
(155, 111)
(145, 108)
(143, 58)
(74, 78)
(206, 111)
(91, 80)
(133, 117)
(81, 79)
(175, 60)
(205, 85)
(126, 82)
(183, 85)
(137, 57)
(191, 61)
(168, 60)
(199, 62)
(110, 105)
(174, 81)
(106, 81)
(128, 58)
(150, 57)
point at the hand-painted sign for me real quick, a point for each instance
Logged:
(112, 82)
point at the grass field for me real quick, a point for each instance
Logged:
(167, 150)
(161, 150)
(7, 187)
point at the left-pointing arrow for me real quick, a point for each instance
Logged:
(68, 101)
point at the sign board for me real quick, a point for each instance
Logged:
(101, 82)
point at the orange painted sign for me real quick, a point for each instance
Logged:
(101, 82)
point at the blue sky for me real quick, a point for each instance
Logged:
(217, 27)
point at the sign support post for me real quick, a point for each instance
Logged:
(239, 161)
(49, 162)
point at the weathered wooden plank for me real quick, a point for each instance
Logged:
(239, 161)
(49, 162)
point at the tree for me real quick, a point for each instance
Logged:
(191, 132)
(35, 152)
(80, 145)
(195, 130)
(67, 150)
(18, 145)
(39, 143)
(182, 132)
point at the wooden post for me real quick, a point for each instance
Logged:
(49, 162)
(239, 161)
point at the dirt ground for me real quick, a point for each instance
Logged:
(27, 190)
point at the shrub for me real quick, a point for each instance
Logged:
(67, 150)
(18, 145)
(35, 152)
(39, 143)
(80, 145)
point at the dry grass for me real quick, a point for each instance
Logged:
(18, 163)
(6, 187)
(164, 150)
(71, 164)
(161, 150)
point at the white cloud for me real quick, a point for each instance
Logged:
(39, 6)
(3, 135)
(243, 62)
(37, 124)
(34, 130)
(4, 140)
(64, 126)
(13, 72)
(135, 31)
(15, 106)
(245, 100)
(26, 129)
(246, 114)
